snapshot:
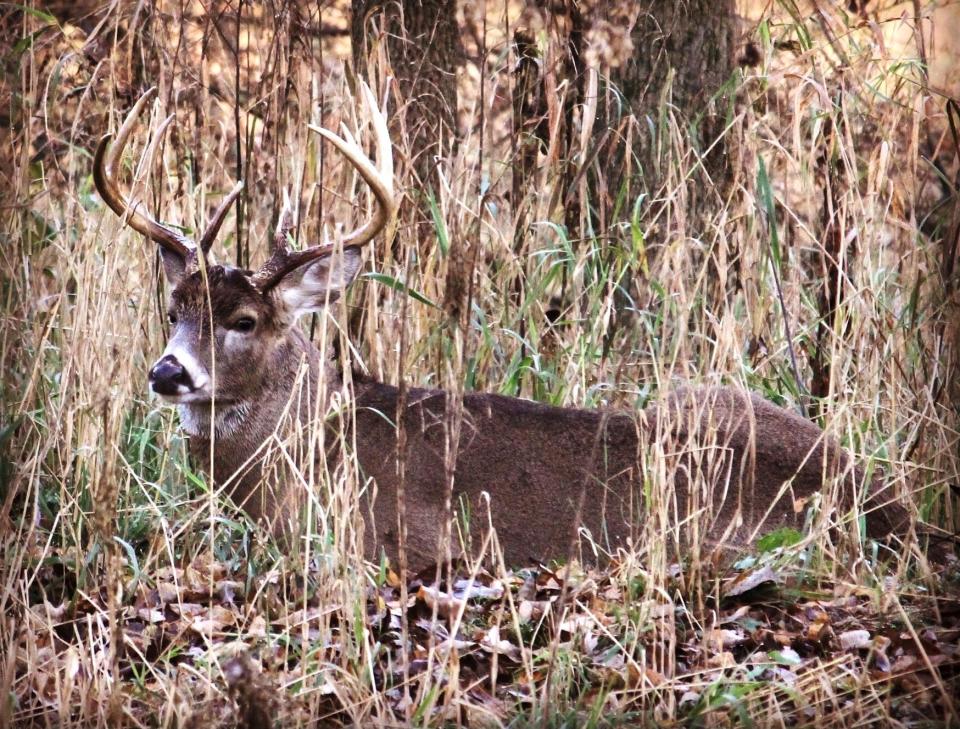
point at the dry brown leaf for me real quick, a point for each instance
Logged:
(529, 610)
(578, 624)
(660, 610)
(639, 676)
(393, 579)
(724, 659)
(493, 643)
(612, 593)
(820, 626)
(188, 609)
(854, 639)
(227, 590)
(257, 627)
(151, 615)
(470, 590)
(168, 592)
(904, 664)
(783, 638)
(725, 638)
(309, 615)
(746, 581)
(444, 604)
(215, 620)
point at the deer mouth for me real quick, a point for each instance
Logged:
(198, 397)
(189, 397)
(179, 390)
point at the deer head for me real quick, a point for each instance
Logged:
(230, 327)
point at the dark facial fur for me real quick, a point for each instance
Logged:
(223, 334)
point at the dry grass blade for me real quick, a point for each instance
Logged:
(134, 593)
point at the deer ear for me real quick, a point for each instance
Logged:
(319, 282)
(174, 266)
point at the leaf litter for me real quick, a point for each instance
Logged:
(769, 635)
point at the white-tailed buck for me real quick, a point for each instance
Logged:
(730, 464)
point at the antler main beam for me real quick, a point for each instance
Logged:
(105, 165)
(379, 179)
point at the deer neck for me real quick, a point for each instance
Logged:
(216, 420)
(237, 429)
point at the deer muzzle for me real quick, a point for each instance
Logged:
(179, 376)
(170, 378)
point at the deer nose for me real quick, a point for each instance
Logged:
(167, 376)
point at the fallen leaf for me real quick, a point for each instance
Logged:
(493, 643)
(903, 664)
(216, 619)
(529, 610)
(444, 604)
(724, 659)
(257, 627)
(639, 675)
(150, 615)
(854, 639)
(746, 581)
(820, 626)
(168, 592)
(469, 590)
(719, 638)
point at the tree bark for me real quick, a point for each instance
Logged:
(665, 64)
(682, 55)
(423, 48)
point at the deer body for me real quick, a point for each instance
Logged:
(544, 473)
(731, 464)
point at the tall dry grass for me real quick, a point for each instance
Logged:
(833, 172)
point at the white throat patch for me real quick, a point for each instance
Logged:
(195, 419)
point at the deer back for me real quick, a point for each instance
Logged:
(721, 465)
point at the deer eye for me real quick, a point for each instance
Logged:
(172, 318)
(244, 324)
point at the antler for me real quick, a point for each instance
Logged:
(213, 227)
(105, 164)
(380, 180)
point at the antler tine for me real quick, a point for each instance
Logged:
(384, 146)
(284, 226)
(105, 164)
(213, 227)
(380, 181)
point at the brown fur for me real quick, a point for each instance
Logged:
(540, 464)
(734, 461)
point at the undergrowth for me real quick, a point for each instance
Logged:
(135, 594)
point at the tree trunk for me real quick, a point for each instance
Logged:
(695, 38)
(423, 49)
(682, 55)
(665, 64)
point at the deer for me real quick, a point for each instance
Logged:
(238, 366)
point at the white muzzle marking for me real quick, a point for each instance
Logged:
(199, 377)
